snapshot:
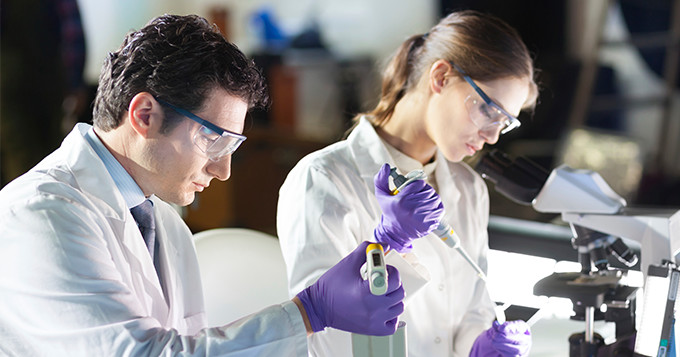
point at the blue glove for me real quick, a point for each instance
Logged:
(342, 299)
(512, 338)
(412, 213)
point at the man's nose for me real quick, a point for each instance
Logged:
(220, 169)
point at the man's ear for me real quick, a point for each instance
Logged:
(438, 75)
(145, 114)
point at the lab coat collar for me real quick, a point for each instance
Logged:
(83, 161)
(368, 149)
(370, 153)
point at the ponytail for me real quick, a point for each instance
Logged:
(397, 80)
(484, 46)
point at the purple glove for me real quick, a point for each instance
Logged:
(512, 338)
(413, 213)
(342, 299)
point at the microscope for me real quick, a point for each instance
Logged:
(601, 223)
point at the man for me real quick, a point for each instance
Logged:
(94, 261)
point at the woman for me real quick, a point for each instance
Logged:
(445, 94)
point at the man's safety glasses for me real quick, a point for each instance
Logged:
(212, 140)
(484, 112)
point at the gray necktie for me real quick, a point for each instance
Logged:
(143, 214)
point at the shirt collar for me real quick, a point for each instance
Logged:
(127, 186)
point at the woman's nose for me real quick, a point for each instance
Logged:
(491, 134)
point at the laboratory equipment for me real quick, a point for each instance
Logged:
(381, 346)
(339, 300)
(655, 335)
(376, 271)
(444, 230)
(598, 218)
(406, 216)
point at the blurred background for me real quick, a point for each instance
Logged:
(608, 73)
(609, 97)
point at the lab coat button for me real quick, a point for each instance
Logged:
(437, 340)
(441, 287)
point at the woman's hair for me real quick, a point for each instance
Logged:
(178, 59)
(482, 45)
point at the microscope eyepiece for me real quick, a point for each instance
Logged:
(518, 179)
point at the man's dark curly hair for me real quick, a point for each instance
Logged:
(178, 59)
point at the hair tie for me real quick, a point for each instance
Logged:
(424, 36)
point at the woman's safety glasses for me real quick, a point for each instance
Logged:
(484, 112)
(212, 140)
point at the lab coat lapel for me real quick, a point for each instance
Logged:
(147, 282)
(93, 178)
(179, 270)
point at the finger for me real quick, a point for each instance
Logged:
(514, 327)
(419, 206)
(435, 214)
(393, 279)
(519, 326)
(357, 257)
(390, 313)
(413, 187)
(388, 328)
(508, 349)
(396, 295)
(392, 324)
(389, 302)
(424, 196)
(381, 179)
(396, 309)
(426, 203)
(427, 216)
(419, 187)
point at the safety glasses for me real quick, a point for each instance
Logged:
(484, 112)
(212, 140)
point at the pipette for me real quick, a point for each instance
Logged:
(444, 230)
(376, 271)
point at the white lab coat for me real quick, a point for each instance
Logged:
(327, 206)
(77, 280)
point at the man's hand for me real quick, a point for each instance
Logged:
(341, 299)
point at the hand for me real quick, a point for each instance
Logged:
(341, 299)
(511, 338)
(412, 213)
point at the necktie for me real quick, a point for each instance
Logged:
(143, 214)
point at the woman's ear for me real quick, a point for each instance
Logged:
(439, 75)
(145, 114)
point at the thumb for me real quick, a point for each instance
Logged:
(381, 179)
(515, 327)
(393, 279)
(357, 257)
